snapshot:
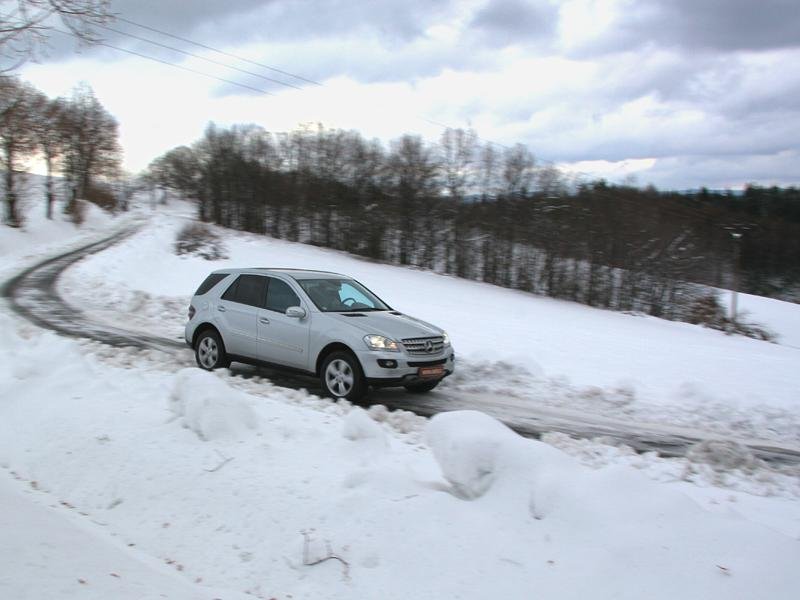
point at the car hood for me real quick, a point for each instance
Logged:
(395, 326)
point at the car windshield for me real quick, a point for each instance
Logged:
(341, 295)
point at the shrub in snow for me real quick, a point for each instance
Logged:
(209, 407)
(358, 425)
(707, 310)
(103, 196)
(197, 239)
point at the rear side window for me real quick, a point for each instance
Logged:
(210, 282)
(247, 289)
(280, 296)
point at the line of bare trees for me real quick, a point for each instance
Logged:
(75, 138)
(469, 209)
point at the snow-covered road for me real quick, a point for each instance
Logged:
(34, 294)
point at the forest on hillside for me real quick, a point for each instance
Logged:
(474, 210)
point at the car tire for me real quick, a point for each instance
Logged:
(422, 387)
(342, 377)
(209, 351)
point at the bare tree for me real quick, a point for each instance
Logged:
(16, 139)
(91, 146)
(413, 170)
(26, 24)
(518, 171)
(46, 125)
(457, 150)
(488, 172)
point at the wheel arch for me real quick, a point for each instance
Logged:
(205, 327)
(334, 347)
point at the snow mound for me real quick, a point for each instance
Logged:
(722, 455)
(358, 425)
(34, 355)
(477, 453)
(209, 407)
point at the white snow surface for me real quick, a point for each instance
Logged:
(304, 498)
(123, 475)
(510, 344)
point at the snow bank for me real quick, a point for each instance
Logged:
(358, 425)
(91, 439)
(483, 460)
(480, 456)
(209, 407)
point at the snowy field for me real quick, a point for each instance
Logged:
(122, 476)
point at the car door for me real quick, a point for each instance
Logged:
(283, 340)
(238, 312)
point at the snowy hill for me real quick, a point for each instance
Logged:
(538, 349)
(185, 484)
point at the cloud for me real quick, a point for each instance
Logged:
(722, 172)
(505, 22)
(238, 22)
(669, 83)
(707, 26)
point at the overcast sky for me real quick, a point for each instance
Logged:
(678, 93)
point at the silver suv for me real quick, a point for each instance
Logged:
(314, 322)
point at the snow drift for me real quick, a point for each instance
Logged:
(210, 408)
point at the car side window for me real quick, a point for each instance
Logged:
(210, 282)
(247, 289)
(280, 296)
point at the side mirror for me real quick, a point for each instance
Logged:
(296, 312)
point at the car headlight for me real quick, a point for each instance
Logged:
(379, 342)
(445, 338)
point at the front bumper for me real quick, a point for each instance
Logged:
(406, 371)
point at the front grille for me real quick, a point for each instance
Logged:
(424, 346)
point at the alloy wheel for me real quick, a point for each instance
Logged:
(339, 377)
(208, 352)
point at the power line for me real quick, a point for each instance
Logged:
(210, 60)
(222, 52)
(170, 64)
(217, 50)
(247, 60)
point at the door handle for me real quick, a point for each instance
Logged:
(221, 308)
(264, 320)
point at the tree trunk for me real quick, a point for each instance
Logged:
(49, 186)
(12, 219)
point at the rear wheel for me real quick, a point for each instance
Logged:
(422, 387)
(342, 377)
(209, 351)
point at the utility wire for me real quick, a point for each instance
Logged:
(210, 60)
(170, 64)
(241, 58)
(217, 50)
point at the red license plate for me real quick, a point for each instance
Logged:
(431, 372)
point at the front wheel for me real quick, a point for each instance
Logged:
(342, 377)
(421, 388)
(209, 351)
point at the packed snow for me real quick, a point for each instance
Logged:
(124, 474)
